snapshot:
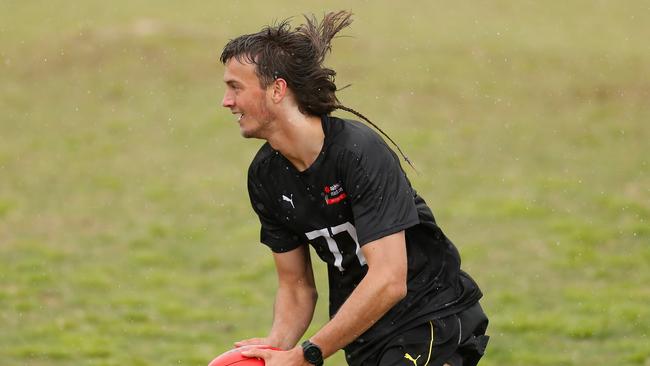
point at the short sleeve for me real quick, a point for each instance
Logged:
(273, 234)
(381, 196)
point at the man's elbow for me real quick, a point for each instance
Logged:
(309, 292)
(391, 283)
(396, 290)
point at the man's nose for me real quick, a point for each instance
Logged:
(228, 101)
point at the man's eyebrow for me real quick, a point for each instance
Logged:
(232, 82)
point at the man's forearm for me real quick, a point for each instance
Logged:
(292, 314)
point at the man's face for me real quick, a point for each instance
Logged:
(246, 99)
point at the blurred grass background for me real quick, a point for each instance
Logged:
(126, 236)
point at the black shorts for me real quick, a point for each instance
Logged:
(458, 340)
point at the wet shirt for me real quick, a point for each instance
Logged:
(356, 192)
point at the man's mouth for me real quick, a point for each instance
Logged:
(241, 115)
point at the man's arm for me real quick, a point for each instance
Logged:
(383, 286)
(295, 300)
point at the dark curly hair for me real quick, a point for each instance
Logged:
(297, 55)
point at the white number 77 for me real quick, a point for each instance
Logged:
(333, 247)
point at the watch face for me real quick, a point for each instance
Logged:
(312, 353)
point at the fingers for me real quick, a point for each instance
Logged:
(257, 353)
(252, 342)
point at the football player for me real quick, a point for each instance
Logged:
(397, 294)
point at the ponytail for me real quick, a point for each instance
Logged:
(321, 34)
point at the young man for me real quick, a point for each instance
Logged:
(397, 294)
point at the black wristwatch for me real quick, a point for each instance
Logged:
(312, 353)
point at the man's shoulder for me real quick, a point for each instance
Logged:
(354, 136)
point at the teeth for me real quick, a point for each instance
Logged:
(240, 117)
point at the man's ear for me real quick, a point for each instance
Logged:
(278, 90)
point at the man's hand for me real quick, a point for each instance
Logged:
(292, 357)
(256, 342)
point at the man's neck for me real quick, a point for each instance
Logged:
(299, 138)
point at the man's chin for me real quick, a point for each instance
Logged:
(256, 131)
(248, 134)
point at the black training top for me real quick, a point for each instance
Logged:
(354, 193)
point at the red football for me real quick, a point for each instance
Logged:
(234, 357)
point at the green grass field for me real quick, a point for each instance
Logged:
(126, 236)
